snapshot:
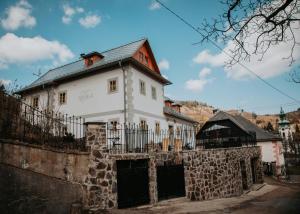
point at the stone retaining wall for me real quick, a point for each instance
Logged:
(65, 165)
(216, 173)
(208, 173)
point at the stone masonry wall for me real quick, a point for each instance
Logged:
(216, 173)
(209, 174)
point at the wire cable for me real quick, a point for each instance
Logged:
(222, 50)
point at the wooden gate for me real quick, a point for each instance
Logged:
(170, 181)
(133, 182)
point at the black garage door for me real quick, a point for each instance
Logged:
(133, 183)
(170, 181)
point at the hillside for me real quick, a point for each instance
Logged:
(201, 112)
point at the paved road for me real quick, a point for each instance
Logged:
(275, 198)
(285, 199)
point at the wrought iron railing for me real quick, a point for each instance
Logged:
(20, 121)
(226, 142)
(130, 138)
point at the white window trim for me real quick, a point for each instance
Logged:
(157, 122)
(141, 87)
(117, 85)
(114, 119)
(32, 101)
(65, 98)
(154, 98)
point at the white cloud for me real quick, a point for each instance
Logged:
(4, 82)
(69, 12)
(90, 21)
(274, 62)
(197, 85)
(164, 64)
(154, 5)
(17, 50)
(18, 15)
(204, 72)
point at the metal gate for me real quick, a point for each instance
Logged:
(133, 183)
(170, 181)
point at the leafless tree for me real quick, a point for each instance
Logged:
(253, 26)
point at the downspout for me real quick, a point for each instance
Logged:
(124, 92)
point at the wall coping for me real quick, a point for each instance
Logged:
(41, 147)
(94, 123)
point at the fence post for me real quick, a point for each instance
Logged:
(101, 181)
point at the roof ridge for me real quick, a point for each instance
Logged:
(124, 45)
(66, 64)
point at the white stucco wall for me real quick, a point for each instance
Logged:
(145, 102)
(272, 151)
(89, 98)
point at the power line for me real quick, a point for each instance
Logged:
(222, 50)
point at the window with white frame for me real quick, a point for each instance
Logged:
(157, 128)
(143, 124)
(62, 97)
(142, 87)
(113, 124)
(35, 102)
(153, 92)
(113, 85)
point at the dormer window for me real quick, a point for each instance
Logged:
(89, 62)
(91, 58)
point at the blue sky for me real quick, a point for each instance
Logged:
(39, 35)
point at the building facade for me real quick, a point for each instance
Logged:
(120, 86)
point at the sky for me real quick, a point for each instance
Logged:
(37, 35)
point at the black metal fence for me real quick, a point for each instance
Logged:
(122, 138)
(20, 121)
(226, 142)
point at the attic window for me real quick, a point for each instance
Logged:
(89, 62)
(146, 60)
(91, 58)
(141, 56)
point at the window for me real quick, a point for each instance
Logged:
(112, 85)
(157, 128)
(113, 124)
(62, 97)
(35, 102)
(146, 60)
(143, 124)
(141, 56)
(178, 131)
(89, 62)
(142, 87)
(153, 92)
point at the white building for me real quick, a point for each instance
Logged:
(120, 85)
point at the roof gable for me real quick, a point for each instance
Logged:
(145, 56)
(246, 125)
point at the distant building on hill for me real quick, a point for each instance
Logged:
(284, 126)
